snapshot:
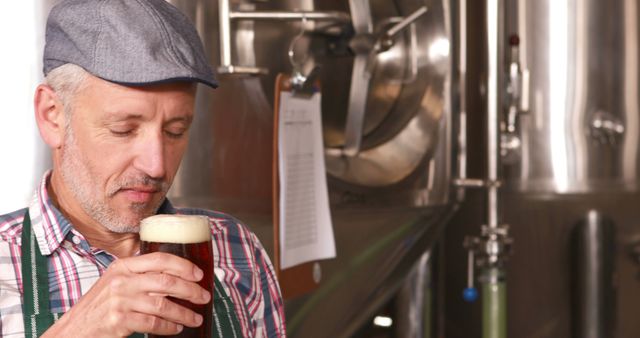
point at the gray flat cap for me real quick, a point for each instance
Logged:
(131, 42)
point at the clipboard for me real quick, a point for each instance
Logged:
(298, 280)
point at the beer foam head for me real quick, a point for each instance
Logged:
(175, 229)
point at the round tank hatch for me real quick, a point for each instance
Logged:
(406, 93)
(405, 97)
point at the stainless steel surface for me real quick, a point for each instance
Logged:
(366, 44)
(358, 94)
(226, 15)
(242, 70)
(606, 128)
(471, 269)
(470, 183)
(224, 22)
(298, 15)
(362, 45)
(412, 315)
(396, 148)
(540, 270)
(517, 78)
(402, 114)
(378, 265)
(493, 244)
(593, 262)
(393, 197)
(582, 56)
(460, 60)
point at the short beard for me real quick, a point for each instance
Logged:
(76, 174)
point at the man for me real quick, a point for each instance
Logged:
(115, 110)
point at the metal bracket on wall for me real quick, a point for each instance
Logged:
(366, 45)
(227, 15)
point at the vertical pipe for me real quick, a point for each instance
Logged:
(462, 84)
(494, 56)
(225, 32)
(494, 285)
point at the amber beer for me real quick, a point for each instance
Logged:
(188, 237)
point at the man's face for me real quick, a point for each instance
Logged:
(122, 148)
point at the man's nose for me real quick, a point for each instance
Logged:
(150, 156)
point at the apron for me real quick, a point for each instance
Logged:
(35, 309)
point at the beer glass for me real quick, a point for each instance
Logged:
(188, 237)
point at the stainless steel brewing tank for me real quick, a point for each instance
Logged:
(580, 133)
(388, 203)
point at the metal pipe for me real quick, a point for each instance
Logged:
(593, 241)
(493, 99)
(335, 16)
(225, 33)
(494, 286)
(406, 21)
(462, 83)
(469, 183)
(474, 183)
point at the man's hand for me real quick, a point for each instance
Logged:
(130, 297)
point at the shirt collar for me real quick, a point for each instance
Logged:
(50, 226)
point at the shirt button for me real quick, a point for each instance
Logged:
(76, 240)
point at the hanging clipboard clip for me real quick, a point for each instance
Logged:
(301, 85)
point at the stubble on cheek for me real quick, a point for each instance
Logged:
(100, 198)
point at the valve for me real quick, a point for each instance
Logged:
(516, 102)
(490, 250)
(470, 293)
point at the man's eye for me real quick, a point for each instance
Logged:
(175, 133)
(121, 133)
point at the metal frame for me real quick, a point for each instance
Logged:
(227, 15)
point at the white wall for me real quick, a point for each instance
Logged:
(23, 156)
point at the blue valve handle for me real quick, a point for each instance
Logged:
(470, 294)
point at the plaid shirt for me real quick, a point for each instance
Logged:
(241, 265)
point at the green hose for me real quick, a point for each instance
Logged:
(494, 305)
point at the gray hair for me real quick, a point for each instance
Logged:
(65, 81)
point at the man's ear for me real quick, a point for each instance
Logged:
(50, 117)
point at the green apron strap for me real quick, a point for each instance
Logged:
(35, 283)
(225, 321)
(36, 313)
